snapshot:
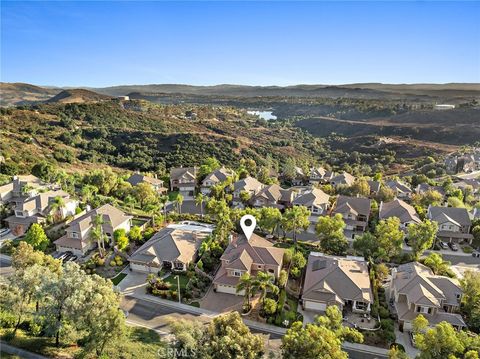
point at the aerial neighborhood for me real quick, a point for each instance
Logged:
(380, 252)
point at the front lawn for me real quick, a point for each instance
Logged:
(172, 279)
(118, 278)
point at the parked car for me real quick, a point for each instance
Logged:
(4, 232)
(65, 256)
(476, 254)
(453, 246)
(412, 339)
(443, 245)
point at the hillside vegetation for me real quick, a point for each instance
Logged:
(139, 135)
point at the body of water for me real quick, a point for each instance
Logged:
(266, 115)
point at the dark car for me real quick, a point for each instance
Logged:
(453, 246)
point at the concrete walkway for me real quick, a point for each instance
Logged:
(7, 348)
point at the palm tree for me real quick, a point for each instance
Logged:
(56, 207)
(151, 209)
(264, 282)
(179, 201)
(246, 283)
(130, 202)
(163, 201)
(199, 199)
(97, 233)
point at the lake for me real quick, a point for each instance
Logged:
(266, 115)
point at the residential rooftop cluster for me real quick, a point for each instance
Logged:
(370, 247)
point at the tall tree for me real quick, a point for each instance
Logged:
(330, 233)
(264, 282)
(471, 299)
(144, 193)
(437, 264)
(56, 208)
(366, 245)
(97, 233)
(228, 337)
(421, 236)
(270, 219)
(389, 237)
(179, 200)
(246, 284)
(199, 200)
(296, 220)
(36, 237)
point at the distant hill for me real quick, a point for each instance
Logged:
(21, 93)
(78, 96)
(365, 91)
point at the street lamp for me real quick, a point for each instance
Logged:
(178, 287)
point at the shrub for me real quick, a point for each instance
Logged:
(467, 249)
(112, 263)
(34, 329)
(100, 261)
(7, 319)
(384, 313)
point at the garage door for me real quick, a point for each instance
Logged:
(315, 306)
(140, 268)
(227, 289)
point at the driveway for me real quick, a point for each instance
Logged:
(133, 283)
(404, 339)
(221, 302)
(308, 316)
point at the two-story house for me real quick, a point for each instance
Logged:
(247, 256)
(169, 248)
(355, 212)
(342, 179)
(339, 281)
(184, 180)
(273, 196)
(299, 178)
(400, 189)
(157, 184)
(36, 207)
(453, 223)
(249, 185)
(414, 290)
(400, 209)
(315, 200)
(78, 238)
(218, 176)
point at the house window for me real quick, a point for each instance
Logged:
(458, 296)
(361, 305)
(178, 265)
(74, 235)
(19, 213)
(426, 310)
(237, 273)
(271, 271)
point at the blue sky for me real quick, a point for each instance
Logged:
(259, 43)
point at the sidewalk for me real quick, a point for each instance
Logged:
(7, 348)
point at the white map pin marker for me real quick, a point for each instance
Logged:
(248, 224)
